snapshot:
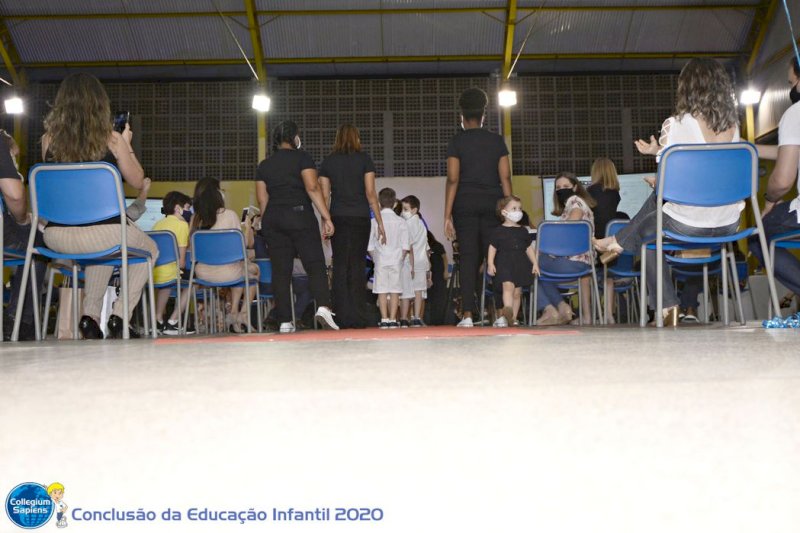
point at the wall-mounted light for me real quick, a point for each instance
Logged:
(14, 106)
(750, 97)
(261, 102)
(507, 98)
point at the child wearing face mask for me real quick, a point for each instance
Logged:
(416, 272)
(511, 259)
(177, 208)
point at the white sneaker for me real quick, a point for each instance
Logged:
(500, 323)
(287, 327)
(324, 318)
(465, 323)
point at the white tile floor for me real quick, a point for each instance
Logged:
(610, 430)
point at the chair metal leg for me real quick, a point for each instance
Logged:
(51, 275)
(259, 315)
(534, 310)
(75, 306)
(737, 291)
(724, 269)
(181, 330)
(152, 293)
(35, 296)
(706, 288)
(580, 304)
(643, 289)
(600, 314)
(291, 299)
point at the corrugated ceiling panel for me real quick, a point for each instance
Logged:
(700, 31)
(576, 31)
(537, 3)
(778, 35)
(320, 36)
(269, 5)
(131, 39)
(59, 7)
(442, 34)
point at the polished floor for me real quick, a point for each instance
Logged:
(555, 430)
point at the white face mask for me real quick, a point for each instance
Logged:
(513, 216)
(297, 143)
(406, 214)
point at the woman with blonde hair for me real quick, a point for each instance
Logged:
(79, 129)
(705, 112)
(605, 192)
(347, 176)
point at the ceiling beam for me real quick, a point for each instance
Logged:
(11, 57)
(761, 22)
(385, 11)
(378, 59)
(261, 73)
(508, 47)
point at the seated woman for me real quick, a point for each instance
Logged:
(705, 112)
(210, 213)
(77, 129)
(571, 202)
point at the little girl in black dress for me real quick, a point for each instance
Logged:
(511, 259)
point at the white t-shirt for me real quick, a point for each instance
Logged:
(789, 135)
(418, 238)
(397, 240)
(686, 130)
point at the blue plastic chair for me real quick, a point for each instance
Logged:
(167, 254)
(265, 278)
(11, 258)
(621, 268)
(787, 241)
(75, 194)
(565, 238)
(216, 248)
(706, 175)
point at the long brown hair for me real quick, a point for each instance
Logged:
(79, 124)
(207, 202)
(604, 171)
(347, 140)
(580, 190)
(705, 90)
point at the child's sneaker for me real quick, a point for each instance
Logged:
(168, 328)
(384, 324)
(417, 323)
(393, 324)
(466, 322)
(404, 323)
(500, 323)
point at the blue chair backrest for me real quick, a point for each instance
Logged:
(76, 193)
(708, 175)
(167, 246)
(565, 238)
(264, 270)
(218, 247)
(613, 226)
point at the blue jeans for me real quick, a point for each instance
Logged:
(548, 293)
(642, 227)
(787, 266)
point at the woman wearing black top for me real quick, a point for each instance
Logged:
(347, 176)
(286, 186)
(605, 191)
(478, 174)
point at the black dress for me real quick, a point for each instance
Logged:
(511, 261)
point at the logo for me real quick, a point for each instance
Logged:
(31, 505)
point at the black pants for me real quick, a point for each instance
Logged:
(291, 232)
(349, 270)
(474, 218)
(15, 237)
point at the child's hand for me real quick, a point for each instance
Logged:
(430, 279)
(535, 270)
(491, 270)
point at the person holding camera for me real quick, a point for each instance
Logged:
(78, 129)
(286, 188)
(478, 175)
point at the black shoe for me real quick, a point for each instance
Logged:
(115, 329)
(404, 323)
(26, 331)
(89, 328)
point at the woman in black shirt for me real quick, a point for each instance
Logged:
(286, 187)
(605, 191)
(478, 174)
(347, 176)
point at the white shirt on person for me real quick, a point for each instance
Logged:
(686, 130)
(397, 240)
(418, 239)
(789, 135)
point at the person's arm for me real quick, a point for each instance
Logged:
(129, 167)
(411, 259)
(453, 173)
(767, 151)
(783, 176)
(490, 269)
(14, 197)
(182, 257)
(262, 197)
(372, 198)
(249, 239)
(531, 253)
(325, 183)
(139, 206)
(314, 192)
(504, 169)
(575, 214)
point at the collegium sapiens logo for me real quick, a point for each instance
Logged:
(32, 505)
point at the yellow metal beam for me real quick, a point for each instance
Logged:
(384, 11)
(375, 59)
(758, 32)
(508, 53)
(261, 71)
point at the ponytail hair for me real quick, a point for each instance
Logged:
(285, 132)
